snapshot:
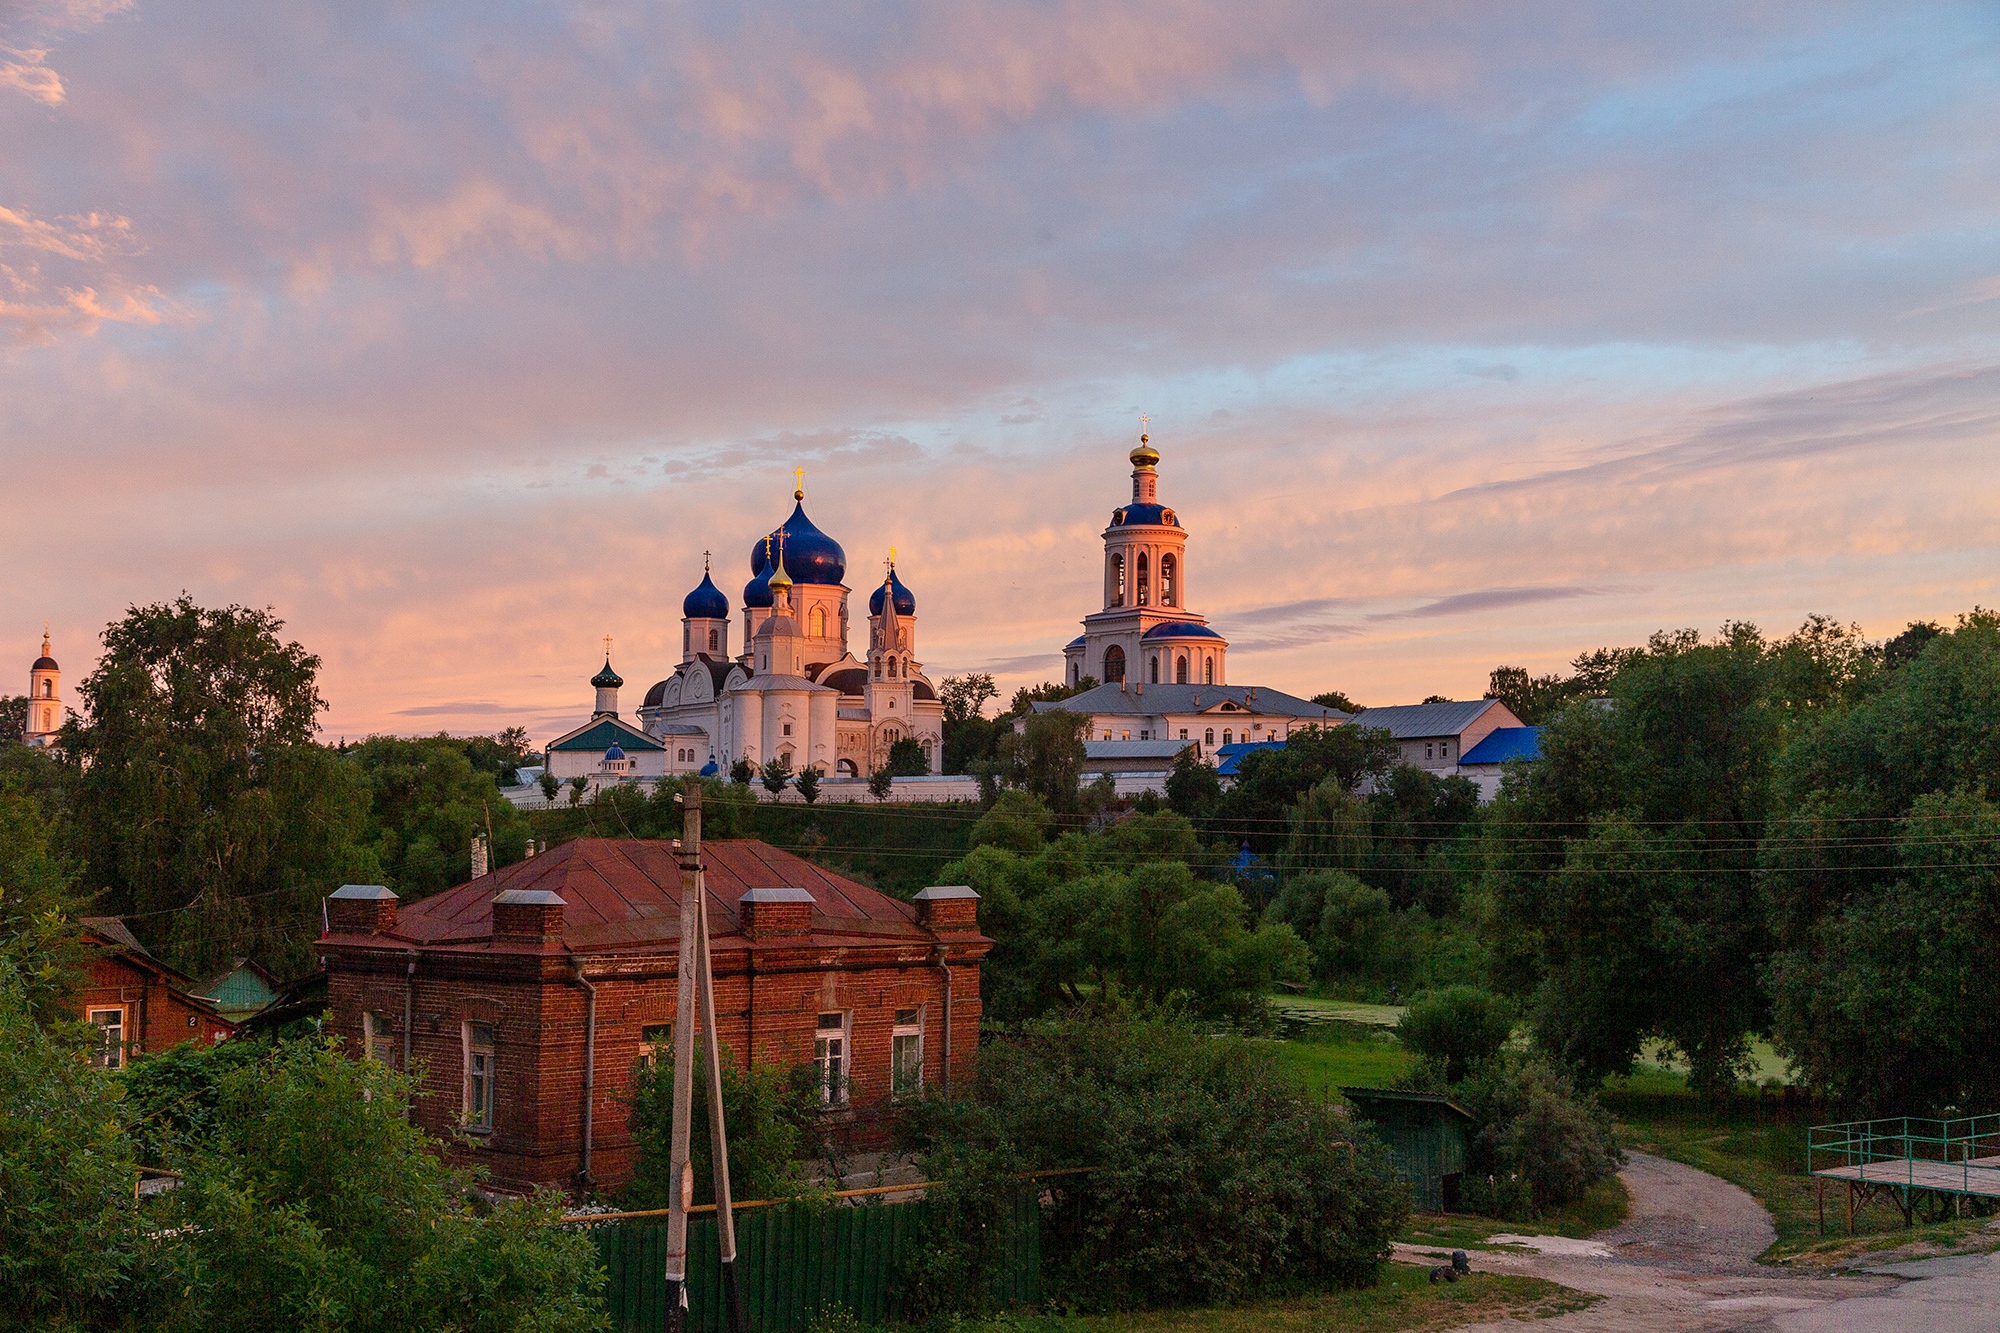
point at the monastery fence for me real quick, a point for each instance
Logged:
(797, 1261)
(952, 787)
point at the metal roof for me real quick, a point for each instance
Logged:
(1417, 721)
(1133, 749)
(1503, 744)
(602, 734)
(1152, 700)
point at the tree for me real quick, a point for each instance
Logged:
(1908, 646)
(1049, 691)
(808, 784)
(968, 734)
(1458, 1028)
(1336, 700)
(1271, 777)
(550, 785)
(578, 785)
(1530, 698)
(315, 1203)
(773, 1115)
(881, 782)
(1046, 756)
(429, 801)
(13, 718)
(1194, 788)
(965, 697)
(776, 774)
(1017, 821)
(197, 791)
(742, 772)
(907, 759)
(40, 950)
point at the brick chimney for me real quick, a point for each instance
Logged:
(527, 916)
(360, 909)
(948, 907)
(774, 912)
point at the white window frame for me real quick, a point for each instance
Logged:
(481, 1067)
(831, 1057)
(908, 1030)
(655, 1040)
(376, 1037)
(110, 1054)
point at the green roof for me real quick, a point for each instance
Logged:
(600, 736)
(242, 990)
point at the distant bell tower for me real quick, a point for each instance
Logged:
(44, 699)
(606, 683)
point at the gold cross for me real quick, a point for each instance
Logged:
(1143, 419)
(799, 476)
(607, 647)
(704, 562)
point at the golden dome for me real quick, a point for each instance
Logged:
(1145, 455)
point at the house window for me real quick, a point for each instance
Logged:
(906, 1053)
(109, 1052)
(377, 1038)
(1208, 738)
(1183, 733)
(1145, 735)
(830, 1055)
(1226, 735)
(1427, 749)
(1444, 749)
(1124, 735)
(480, 1068)
(655, 1040)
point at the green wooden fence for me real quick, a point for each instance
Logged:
(796, 1261)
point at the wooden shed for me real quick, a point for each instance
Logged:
(1425, 1133)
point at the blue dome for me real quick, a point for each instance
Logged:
(709, 770)
(1158, 516)
(810, 555)
(1180, 629)
(757, 592)
(706, 602)
(615, 752)
(906, 601)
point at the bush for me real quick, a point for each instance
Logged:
(1458, 1028)
(771, 1114)
(1541, 1144)
(1213, 1176)
(1018, 821)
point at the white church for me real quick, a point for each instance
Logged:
(794, 693)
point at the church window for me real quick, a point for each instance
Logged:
(819, 622)
(1153, 669)
(892, 668)
(1142, 579)
(1226, 737)
(892, 701)
(1117, 579)
(1114, 665)
(1169, 567)
(48, 689)
(1210, 740)
(712, 640)
(1180, 670)
(788, 728)
(687, 632)
(1208, 672)
(878, 668)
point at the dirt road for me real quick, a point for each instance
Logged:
(1685, 1259)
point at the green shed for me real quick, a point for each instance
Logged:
(242, 991)
(1425, 1133)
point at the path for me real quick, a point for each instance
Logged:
(1685, 1260)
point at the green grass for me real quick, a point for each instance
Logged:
(1602, 1207)
(1756, 1142)
(1309, 1009)
(1404, 1301)
(1340, 1054)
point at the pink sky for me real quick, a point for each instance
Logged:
(1469, 333)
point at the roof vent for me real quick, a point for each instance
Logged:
(527, 916)
(778, 910)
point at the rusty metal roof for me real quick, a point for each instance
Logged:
(623, 891)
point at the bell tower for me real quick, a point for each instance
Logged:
(44, 699)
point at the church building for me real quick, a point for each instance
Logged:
(44, 717)
(794, 692)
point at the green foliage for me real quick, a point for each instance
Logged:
(1194, 789)
(550, 785)
(173, 1095)
(1018, 821)
(315, 1204)
(742, 772)
(808, 784)
(72, 1254)
(776, 774)
(1046, 757)
(882, 782)
(964, 1235)
(1213, 1175)
(13, 718)
(772, 1118)
(195, 785)
(969, 734)
(428, 800)
(1271, 778)
(1458, 1029)
(39, 944)
(1336, 700)
(906, 758)
(1117, 919)
(1541, 1143)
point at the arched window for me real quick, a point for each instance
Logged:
(1142, 579)
(878, 668)
(1209, 737)
(712, 639)
(1180, 670)
(48, 689)
(1225, 737)
(1114, 665)
(1169, 568)
(1153, 669)
(1116, 578)
(819, 622)
(892, 668)
(1208, 672)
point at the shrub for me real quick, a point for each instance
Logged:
(771, 1114)
(1213, 1176)
(1018, 821)
(1541, 1144)
(1459, 1028)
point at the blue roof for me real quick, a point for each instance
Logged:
(1158, 516)
(615, 752)
(1180, 629)
(1504, 744)
(906, 601)
(810, 555)
(757, 592)
(709, 770)
(606, 679)
(1231, 755)
(706, 602)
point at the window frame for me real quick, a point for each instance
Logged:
(901, 1031)
(377, 1036)
(110, 1054)
(832, 1058)
(481, 1051)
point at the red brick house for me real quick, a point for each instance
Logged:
(136, 1002)
(527, 996)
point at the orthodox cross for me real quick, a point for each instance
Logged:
(799, 476)
(607, 647)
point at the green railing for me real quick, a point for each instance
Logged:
(796, 1261)
(1911, 1151)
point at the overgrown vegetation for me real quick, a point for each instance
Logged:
(772, 1116)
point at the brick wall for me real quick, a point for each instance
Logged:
(156, 1015)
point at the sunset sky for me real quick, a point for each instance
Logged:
(1469, 333)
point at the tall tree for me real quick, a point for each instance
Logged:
(199, 800)
(429, 799)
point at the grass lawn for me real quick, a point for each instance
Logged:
(1336, 1054)
(1404, 1301)
(1601, 1208)
(1756, 1143)
(1308, 1009)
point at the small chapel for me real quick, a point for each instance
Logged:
(794, 692)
